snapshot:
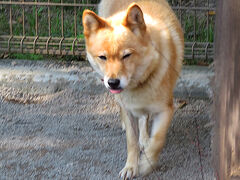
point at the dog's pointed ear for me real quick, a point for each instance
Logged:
(92, 22)
(134, 19)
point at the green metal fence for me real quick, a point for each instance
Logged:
(54, 26)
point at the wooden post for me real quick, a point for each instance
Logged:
(226, 142)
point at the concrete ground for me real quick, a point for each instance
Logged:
(57, 121)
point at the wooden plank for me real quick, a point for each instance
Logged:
(227, 90)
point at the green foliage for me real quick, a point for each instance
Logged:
(26, 56)
(4, 27)
(202, 34)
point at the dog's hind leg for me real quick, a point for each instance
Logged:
(143, 132)
(123, 116)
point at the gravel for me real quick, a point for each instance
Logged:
(75, 133)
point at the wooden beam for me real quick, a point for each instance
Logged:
(226, 143)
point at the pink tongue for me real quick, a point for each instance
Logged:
(115, 91)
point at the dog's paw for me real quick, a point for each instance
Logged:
(146, 164)
(128, 172)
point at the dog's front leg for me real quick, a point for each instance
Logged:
(131, 167)
(161, 122)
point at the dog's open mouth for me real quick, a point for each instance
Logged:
(115, 91)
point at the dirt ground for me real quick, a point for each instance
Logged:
(75, 133)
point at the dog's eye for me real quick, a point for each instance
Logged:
(104, 58)
(126, 56)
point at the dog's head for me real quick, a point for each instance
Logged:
(117, 47)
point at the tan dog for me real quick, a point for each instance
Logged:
(137, 46)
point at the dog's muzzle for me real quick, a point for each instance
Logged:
(114, 85)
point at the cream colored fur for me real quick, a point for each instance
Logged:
(150, 32)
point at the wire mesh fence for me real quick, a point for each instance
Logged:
(54, 26)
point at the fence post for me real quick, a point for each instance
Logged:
(226, 142)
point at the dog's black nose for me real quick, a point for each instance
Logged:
(114, 83)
